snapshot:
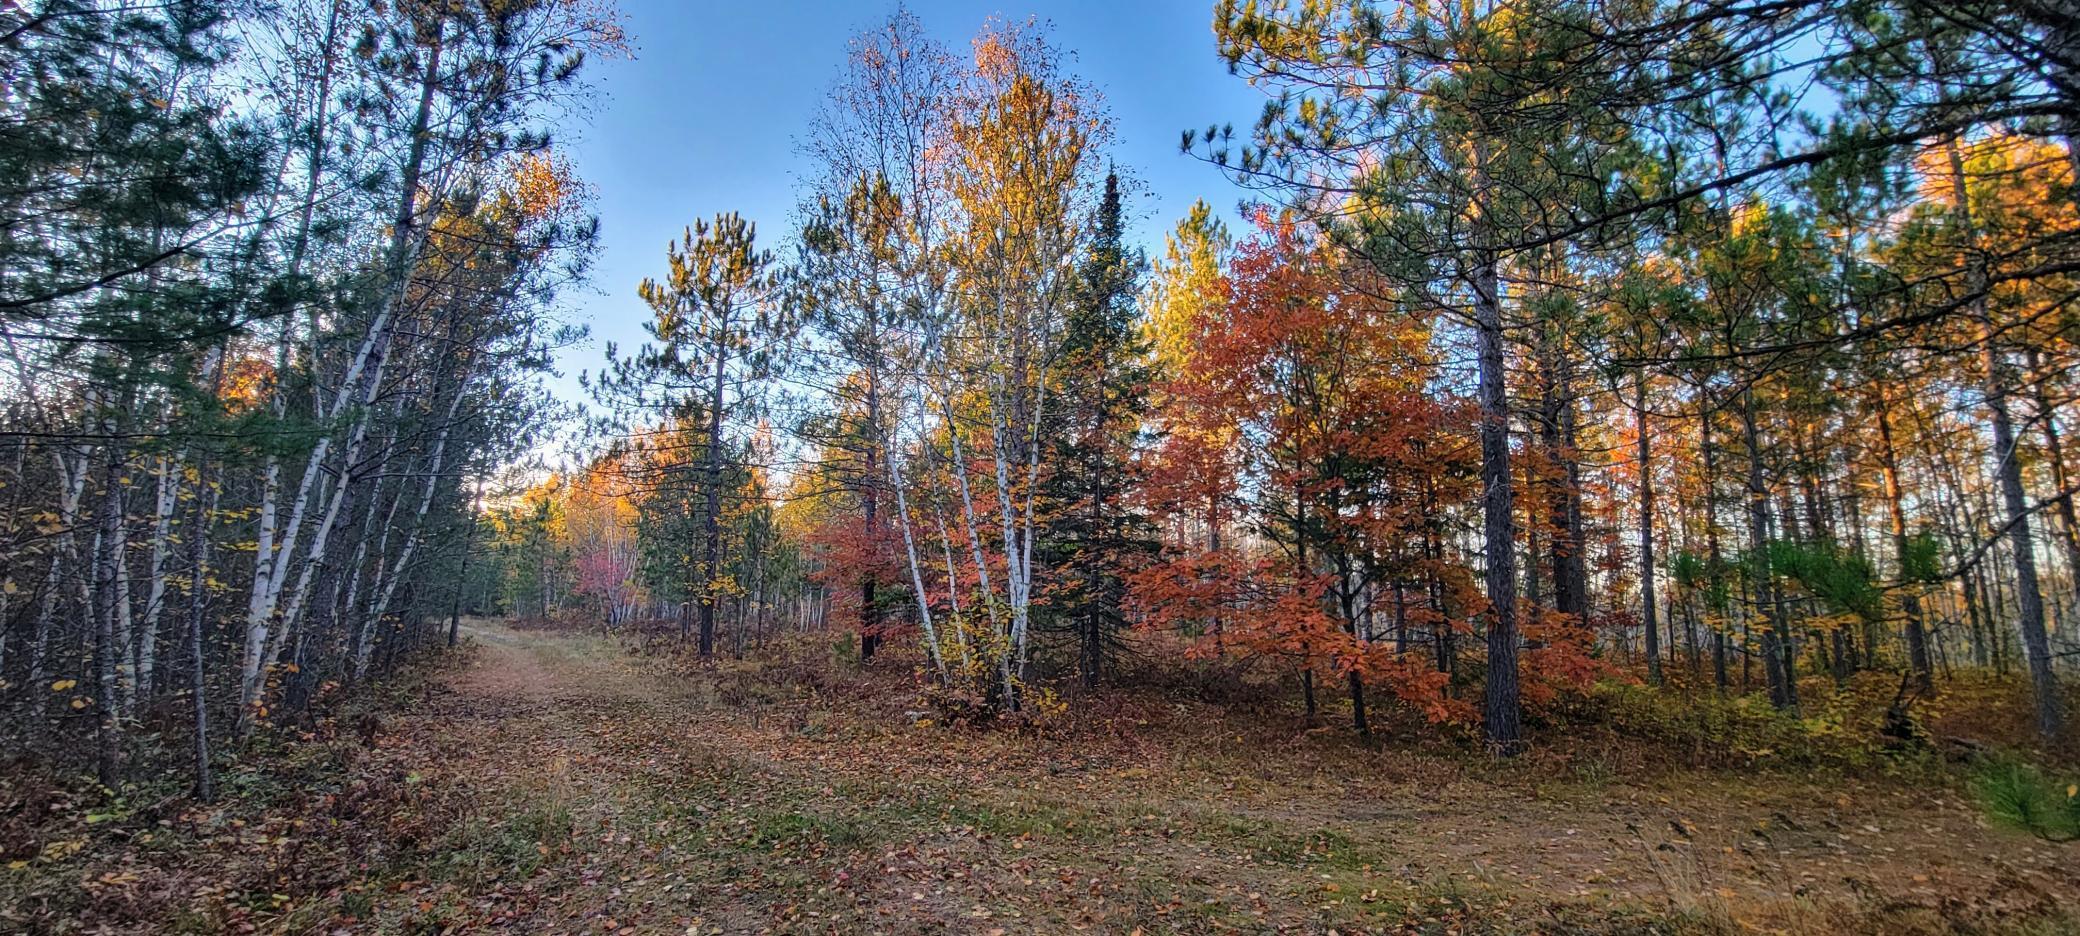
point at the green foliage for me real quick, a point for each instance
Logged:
(1843, 579)
(845, 649)
(103, 160)
(1713, 579)
(491, 848)
(2021, 795)
(770, 830)
(1840, 732)
(1920, 559)
(1105, 373)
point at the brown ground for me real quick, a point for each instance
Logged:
(556, 784)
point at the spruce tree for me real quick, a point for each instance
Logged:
(1093, 535)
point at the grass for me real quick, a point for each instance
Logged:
(772, 830)
(561, 784)
(482, 848)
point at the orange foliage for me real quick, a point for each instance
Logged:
(849, 554)
(247, 382)
(1304, 389)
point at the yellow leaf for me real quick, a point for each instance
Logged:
(79, 702)
(10, 587)
(63, 684)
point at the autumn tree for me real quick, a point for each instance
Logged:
(277, 281)
(1472, 138)
(873, 271)
(1330, 391)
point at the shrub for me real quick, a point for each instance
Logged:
(2021, 795)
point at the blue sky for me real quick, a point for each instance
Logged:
(704, 120)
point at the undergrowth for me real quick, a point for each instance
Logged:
(302, 813)
(2025, 796)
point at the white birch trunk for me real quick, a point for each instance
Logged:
(405, 244)
(162, 550)
(125, 625)
(263, 638)
(365, 624)
(68, 552)
(1014, 567)
(960, 473)
(953, 581)
(411, 542)
(924, 605)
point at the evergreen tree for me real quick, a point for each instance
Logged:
(1093, 534)
(714, 324)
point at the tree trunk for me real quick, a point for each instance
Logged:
(1910, 599)
(108, 554)
(144, 671)
(2055, 454)
(2000, 383)
(469, 541)
(711, 520)
(869, 612)
(2029, 600)
(434, 461)
(1646, 530)
(1503, 709)
(1358, 719)
(402, 252)
(198, 610)
(1775, 659)
(924, 606)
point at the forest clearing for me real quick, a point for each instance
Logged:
(551, 782)
(1184, 466)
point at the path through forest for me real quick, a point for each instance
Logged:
(721, 803)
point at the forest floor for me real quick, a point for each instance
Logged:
(553, 783)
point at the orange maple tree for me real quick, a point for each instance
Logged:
(1310, 401)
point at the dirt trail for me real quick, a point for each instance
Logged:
(650, 806)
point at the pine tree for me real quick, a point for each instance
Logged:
(714, 325)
